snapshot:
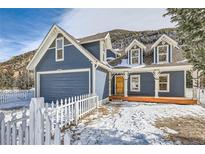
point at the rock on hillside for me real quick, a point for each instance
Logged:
(13, 73)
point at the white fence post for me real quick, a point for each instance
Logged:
(57, 136)
(14, 134)
(8, 133)
(61, 113)
(76, 110)
(67, 138)
(35, 106)
(27, 135)
(20, 135)
(57, 111)
(39, 128)
(2, 124)
(48, 131)
(69, 111)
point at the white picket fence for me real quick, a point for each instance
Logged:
(70, 110)
(8, 96)
(44, 122)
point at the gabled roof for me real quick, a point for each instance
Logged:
(135, 42)
(167, 39)
(50, 37)
(93, 38)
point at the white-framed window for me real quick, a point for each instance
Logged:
(162, 53)
(164, 83)
(134, 82)
(59, 49)
(135, 56)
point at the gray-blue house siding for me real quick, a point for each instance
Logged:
(102, 84)
(73, 59)
(93, 48)
(147, 85)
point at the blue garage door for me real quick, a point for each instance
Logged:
(63, 85)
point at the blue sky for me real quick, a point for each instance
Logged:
(22, 30)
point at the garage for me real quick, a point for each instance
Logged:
(63, 84)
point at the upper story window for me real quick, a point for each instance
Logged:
(164, 83)
(135, 56)
(135, 83)
(59, 49)
(162, 53)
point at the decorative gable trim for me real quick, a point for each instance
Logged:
(135, 42)
(50, 37)
(167, 39)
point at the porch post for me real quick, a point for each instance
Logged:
(156, 74)
(125, 84)
(110, 81)
(195, 83)
(93, 78)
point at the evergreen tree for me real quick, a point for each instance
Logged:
(191, 31)
(6, 80)
(24, 81)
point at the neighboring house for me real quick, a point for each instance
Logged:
(65, 66)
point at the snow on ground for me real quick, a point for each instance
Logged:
(13, 108)
(130, 123)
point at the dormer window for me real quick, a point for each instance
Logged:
(135, 56)
(59, 49)
(162, 53)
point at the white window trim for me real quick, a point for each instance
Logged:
(130, 58)
(61, 71)
(167, 54)
(62, 59)
(168, 83)
(131, 76)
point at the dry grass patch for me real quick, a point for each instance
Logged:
(189, 130)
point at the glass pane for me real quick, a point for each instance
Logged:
(135, 83)
(163, 79)
(134, 60)
(162, 58)
(162, 49)
(162, 86)
(135, 79)
(60, 54)
(59, 44)
(134, 56)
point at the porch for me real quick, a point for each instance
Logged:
(162, 85)
(149, 99)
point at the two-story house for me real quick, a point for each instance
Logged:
(65, 66)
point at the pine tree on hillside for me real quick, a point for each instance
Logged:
(6, 81)
(24, 81)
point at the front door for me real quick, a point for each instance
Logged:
(119, 85)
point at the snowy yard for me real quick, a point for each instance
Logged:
(142, 123)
